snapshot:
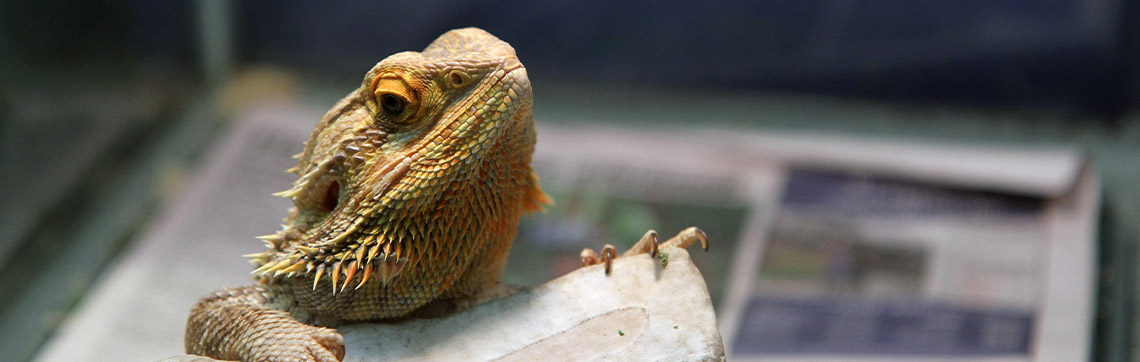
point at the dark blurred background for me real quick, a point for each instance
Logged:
(106, 105)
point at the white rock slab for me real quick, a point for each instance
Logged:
(641, 312)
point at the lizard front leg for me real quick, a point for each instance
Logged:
(647, 244)
(245, 324)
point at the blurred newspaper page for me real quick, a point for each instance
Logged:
(860, 267)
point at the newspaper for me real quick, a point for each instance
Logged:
(823, 248)
(861, 266)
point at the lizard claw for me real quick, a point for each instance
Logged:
(648, 244)
(688, 237)
(609, 253)
(589, 257)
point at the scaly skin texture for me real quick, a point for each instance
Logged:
(409, 192)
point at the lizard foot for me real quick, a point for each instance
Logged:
(237, 324)
(647, 244)
(303, 343)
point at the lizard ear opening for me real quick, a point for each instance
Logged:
(331, 197)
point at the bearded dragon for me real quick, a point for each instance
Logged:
(409, 193)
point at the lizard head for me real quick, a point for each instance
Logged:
(434, 146)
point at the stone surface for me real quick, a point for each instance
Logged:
(640, 312)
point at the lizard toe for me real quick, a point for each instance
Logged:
(329, 342)
(648, 244)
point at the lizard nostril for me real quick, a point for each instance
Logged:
(332, 197)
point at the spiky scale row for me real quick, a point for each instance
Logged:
(389, 256)
(388, 267)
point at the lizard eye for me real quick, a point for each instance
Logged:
(458, 79)
(392, 99)
(392, 104)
